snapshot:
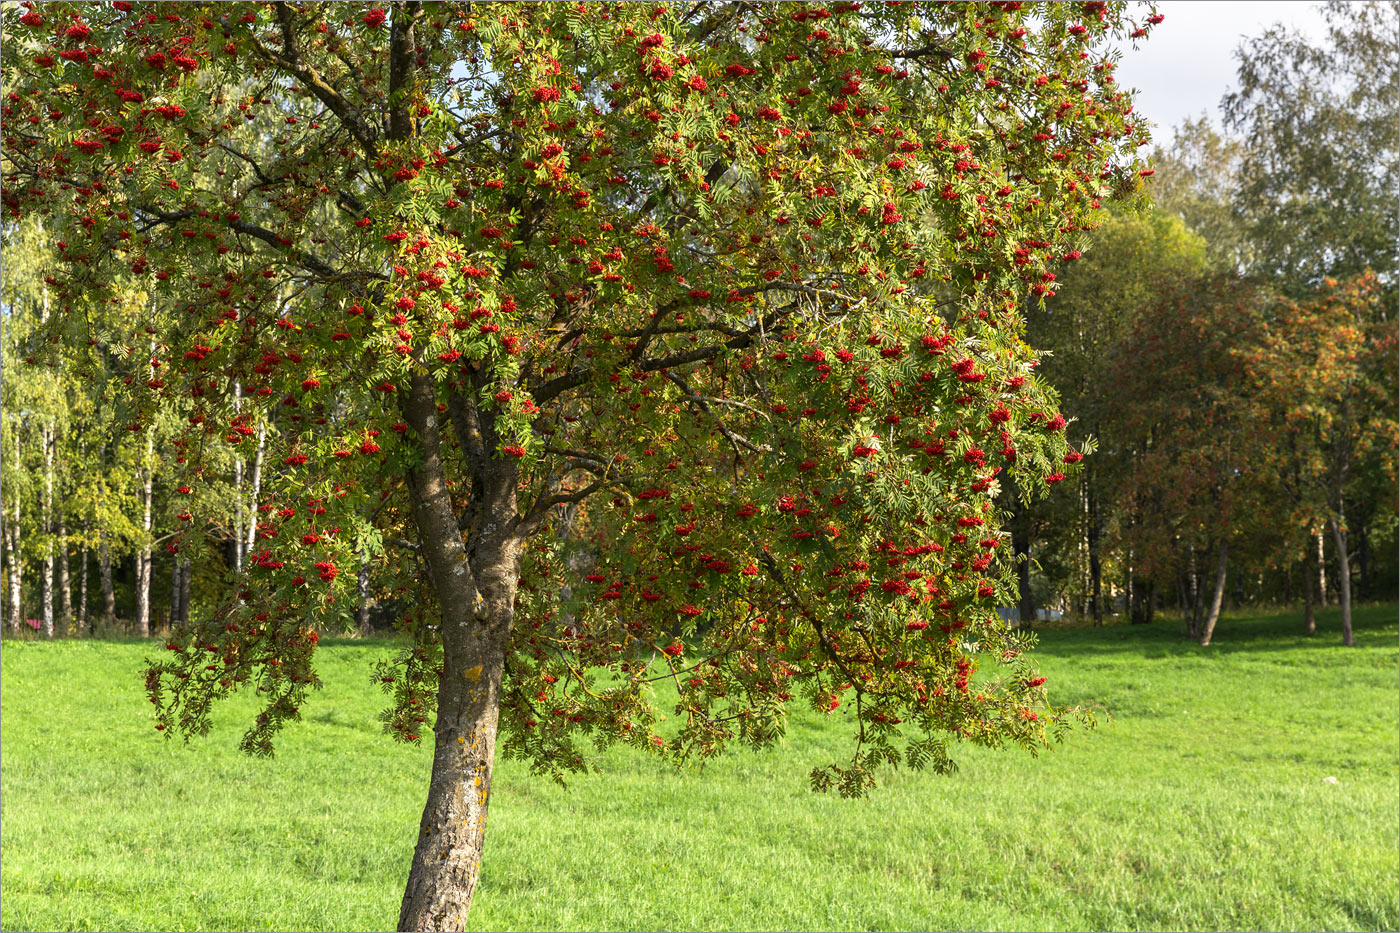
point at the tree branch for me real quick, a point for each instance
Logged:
(292, 61)
(734, 438)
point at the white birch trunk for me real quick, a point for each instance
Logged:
(83, 626)
(239, 540)
(46, 526)
(252, 531)
(14, 558)
(65, 588)
(143, 556)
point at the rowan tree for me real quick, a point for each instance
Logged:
(744, 281)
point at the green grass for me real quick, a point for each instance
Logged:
(1199, 804)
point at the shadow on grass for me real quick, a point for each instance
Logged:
(1373, 625)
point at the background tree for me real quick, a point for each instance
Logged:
(1321, 369)
(1194, 488)
(1320, 153)
(1099, 301)
(1197, 177)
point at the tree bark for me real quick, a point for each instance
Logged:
(1095, 568)
(1021, 544)
(1195, 580)
(1142, 595)
(46, 525)
(46, 594)
(238, 490)
(1363, 582)
(143, 556)
(109, 592)
(143, 592)
(251, 529)
(14, 558)
(362, 611)
(1181, 601)
(1025, 605)
(476, 590)
(1339, 539)
(177, 570)
(83, 627)
(1219, 595)
(65, 589)
(1321, 573)
(185, 574)
(1309, 597)
(1128, 604)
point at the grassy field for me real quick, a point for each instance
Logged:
(1200, 804)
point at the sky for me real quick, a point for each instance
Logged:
(1188, 63)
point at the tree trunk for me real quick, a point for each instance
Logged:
(1128, 584)
(1021, 544)
(1025, 605)
(239, 537)
(185, 575)
(177, 570)
(447, 859)
(238, 531)
(1363, 582)
(1214, 615)
(1195, 578)
(362, 612)
(1095, 568)
(1321, 573)
(1181, 602)
(11, 551)
(15, 560)
(65, 589)
(476, 597)
(46, 526)
(1339, 539)
(83, 627)
(143, 592)
(1141, 601)
(251, 529)
(1309, 595)
(143, 556)
(46, 594)
(109, 592)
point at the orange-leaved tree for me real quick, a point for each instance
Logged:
(1325, 369)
